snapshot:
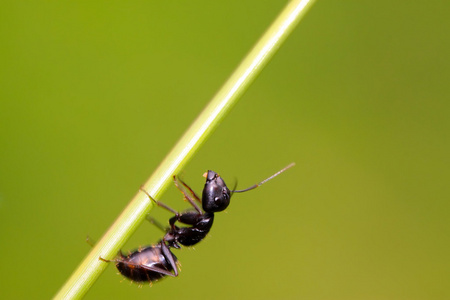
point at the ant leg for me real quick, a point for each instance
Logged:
(106, 260)
(113, 260)
(186, 196)
(176, 179)
(133, 265)
(156, 223)
(177, 214)
(90, 241)
(156, 269)
(158, 202)
(170, 257)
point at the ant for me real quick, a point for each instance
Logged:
(157, 261)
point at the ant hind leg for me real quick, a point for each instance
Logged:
(90, 241)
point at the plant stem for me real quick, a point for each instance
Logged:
(125, 225)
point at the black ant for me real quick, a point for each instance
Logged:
(157, 261)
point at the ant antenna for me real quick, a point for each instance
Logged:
(265, 180)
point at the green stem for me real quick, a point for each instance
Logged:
(125, 225)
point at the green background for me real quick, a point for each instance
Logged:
(94, 94)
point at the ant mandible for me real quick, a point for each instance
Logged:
(157, 261)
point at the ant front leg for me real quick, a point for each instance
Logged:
(186, 196)
(178, 179)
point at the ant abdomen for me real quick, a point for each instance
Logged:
(148, 264)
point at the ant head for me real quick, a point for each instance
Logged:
(216, 195)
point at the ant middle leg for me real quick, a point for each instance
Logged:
(159, 203)
(157, 224)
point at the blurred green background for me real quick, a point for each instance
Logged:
(94, 95)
